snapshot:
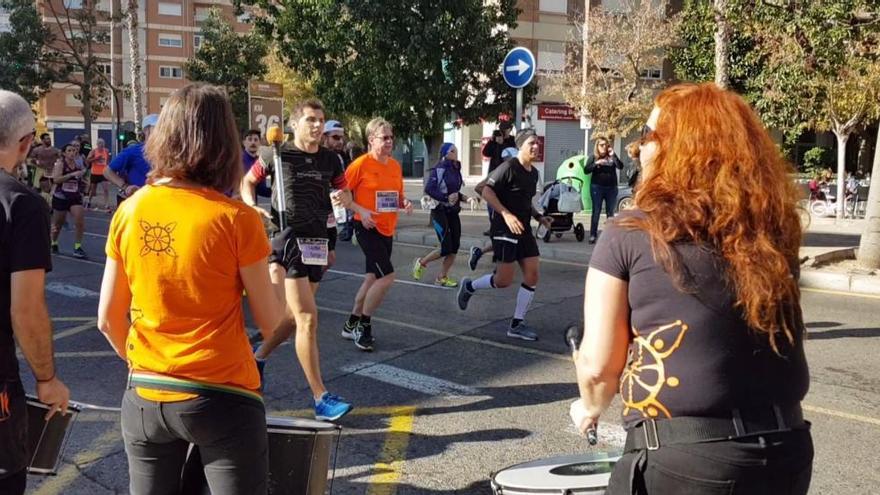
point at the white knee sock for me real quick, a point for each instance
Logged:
(484, 282)
(523, 300)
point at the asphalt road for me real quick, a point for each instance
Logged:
(447, 399)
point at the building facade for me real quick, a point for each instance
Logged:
(168, 35)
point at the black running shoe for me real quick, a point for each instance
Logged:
(348, 331)
(363, 337)
(464, 295)
(476, 254)
(79, 253)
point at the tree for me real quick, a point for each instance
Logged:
(131, 21)
(722, 43)
(417, 63)
(21, 51)
(624, 46)
(228, 59)
(296, 86)
(70, 53)
(869, 245)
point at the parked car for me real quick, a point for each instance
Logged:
(624, 197)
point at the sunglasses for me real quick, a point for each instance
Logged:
(646, 131)
(31, 134)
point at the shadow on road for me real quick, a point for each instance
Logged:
(844, 333)
(817, 239)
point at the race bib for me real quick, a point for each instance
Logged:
(70, 187)
(387, 201)
(313, 251)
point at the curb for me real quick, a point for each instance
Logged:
(842, 282)
(548, 251)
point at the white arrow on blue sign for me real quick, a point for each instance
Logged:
(518, 68)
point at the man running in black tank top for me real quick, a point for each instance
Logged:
(509, 190)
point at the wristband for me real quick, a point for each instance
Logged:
(47, 379)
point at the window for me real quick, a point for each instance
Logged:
(170, 72)
(5, 26)
(103, 5)
(554, 6)
(73, 4)
(202, 14)
(104, 68)
(71, 100)
(170, 40)
(174, 9)
(551, 57)
(197, 41)
(652, 74)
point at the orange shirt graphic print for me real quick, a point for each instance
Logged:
(645, 377)
(158, 239)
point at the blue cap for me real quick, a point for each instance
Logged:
(509, 153)
(333, 125)
(444, 149)
(150, 121)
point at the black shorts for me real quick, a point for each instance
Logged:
(13, 437)
(447, 225)
(285, 252)
(377, 250)
(67, 202)
(508, 248)
(97, 179)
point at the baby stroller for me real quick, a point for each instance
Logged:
(561, 199)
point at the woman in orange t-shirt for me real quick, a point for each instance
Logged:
(179, 254)
(98, 159)
(376, 181)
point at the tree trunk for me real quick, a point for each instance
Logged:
(131, 18)
(433, 141)
(86, 99)
(869, 247)
(722, 44)
(842, 138)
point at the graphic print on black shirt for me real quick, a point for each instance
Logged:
(692, 353)
(24, 245)
(308, 180)
(515, 187)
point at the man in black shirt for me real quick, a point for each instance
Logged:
(300, 246)
(509, 190)
(24, 261)
(501, 140)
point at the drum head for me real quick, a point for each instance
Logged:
(294, 426)
(575, 473)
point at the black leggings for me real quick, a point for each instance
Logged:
(775, 464)
(447, 225)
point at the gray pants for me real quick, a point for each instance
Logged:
(230, 433)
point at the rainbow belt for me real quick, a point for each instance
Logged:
(158, 381)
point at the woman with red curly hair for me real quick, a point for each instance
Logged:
(693, 310)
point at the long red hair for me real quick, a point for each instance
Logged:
(719, 180)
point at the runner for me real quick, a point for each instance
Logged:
(376, 180)
(444, 186)
(128, 171)
(67, 197)
(42, 159)
(510, 189)
(300, 247)
(97, 160)
(250, 153)
(478, 252)
(334, 140)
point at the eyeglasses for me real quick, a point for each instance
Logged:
(646, 131)
(31, 134)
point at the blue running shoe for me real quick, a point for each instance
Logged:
(331, 407)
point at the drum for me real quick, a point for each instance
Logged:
(566, 475)
(299, 458)
(47, 439)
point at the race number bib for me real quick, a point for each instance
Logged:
(70, 187)
(387, 201)
(313, 251)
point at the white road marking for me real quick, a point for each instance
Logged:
(75, 330)
(69, 290)
(419, 382)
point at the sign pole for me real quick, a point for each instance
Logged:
(519, 108)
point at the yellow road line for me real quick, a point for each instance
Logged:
(841, 414)
(104, 444)
(840, 293)
(389, 467)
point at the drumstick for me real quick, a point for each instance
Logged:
(572, 337)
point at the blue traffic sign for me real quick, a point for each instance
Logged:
(519, 67)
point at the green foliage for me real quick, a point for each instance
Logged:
(417, 63)
(816, 159)
(21, 51)
(228, 59)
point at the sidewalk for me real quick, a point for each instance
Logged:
(826, 238)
